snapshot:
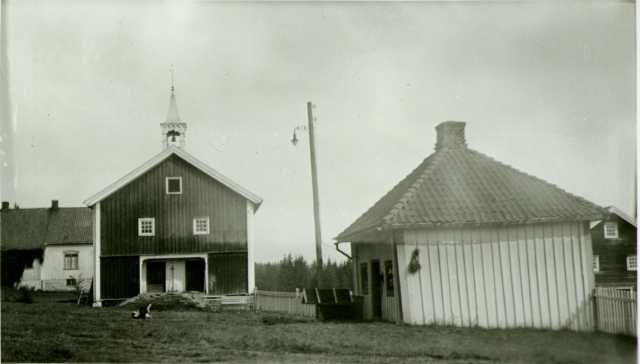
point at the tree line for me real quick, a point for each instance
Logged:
(291, 273)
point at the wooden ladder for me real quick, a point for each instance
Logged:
(84, 297)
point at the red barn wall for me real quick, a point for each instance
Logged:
(146, 197)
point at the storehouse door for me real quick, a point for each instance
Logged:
(376, 289)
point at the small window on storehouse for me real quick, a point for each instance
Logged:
(364, 278)
(388, 276)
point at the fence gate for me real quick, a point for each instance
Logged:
(615, 310)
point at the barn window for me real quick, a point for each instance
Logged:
(596, 263)
(70, 260)
(611, 230)
(364, 278)
(631, 263)
(146, 226)
(388, 276)
(174, 185)
(71, 282)
(201, 225)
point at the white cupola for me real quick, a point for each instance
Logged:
(174, 130)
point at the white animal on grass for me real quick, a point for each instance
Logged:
(142, 313)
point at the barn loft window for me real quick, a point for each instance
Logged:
(201, 225)
(631, 263)
(146, 226)
(611, 230)
(70, 260)
(174, 185)
(388, 276)
(596, 263)
(364, 278)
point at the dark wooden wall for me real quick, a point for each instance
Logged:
(227, 273)
(146, 197)
(120, 277)
(613, 254)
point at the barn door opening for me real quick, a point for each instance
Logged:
(376, 289)
(195, 275)
(155, 276)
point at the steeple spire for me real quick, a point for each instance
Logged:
(172, 88)
(173, 129)
(172, 113)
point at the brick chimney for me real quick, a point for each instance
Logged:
(5, 205)
(54, 204)
(451, 135)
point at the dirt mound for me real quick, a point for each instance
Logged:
(172, 301)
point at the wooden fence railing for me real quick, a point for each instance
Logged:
(285, 302)
(615, 311)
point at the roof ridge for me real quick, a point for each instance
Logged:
(415, 186)
(46, 208)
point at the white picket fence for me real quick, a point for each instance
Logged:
(285, 302)
(615, 311)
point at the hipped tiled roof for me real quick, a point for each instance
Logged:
(26, 229)
(459, 186)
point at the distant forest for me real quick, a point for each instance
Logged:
(291, 273)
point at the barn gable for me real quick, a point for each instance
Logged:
(159, 158)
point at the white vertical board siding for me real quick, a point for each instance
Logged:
(535, 275)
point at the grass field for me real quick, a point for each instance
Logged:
(49, 330)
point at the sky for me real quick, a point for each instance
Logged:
(547, 88)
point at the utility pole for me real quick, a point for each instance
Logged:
(314, 182)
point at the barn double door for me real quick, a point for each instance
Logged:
(175, 275)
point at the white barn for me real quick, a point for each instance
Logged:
(468, 241)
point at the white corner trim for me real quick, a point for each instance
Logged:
(157, 159)
(97, 248)
(251, 279)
